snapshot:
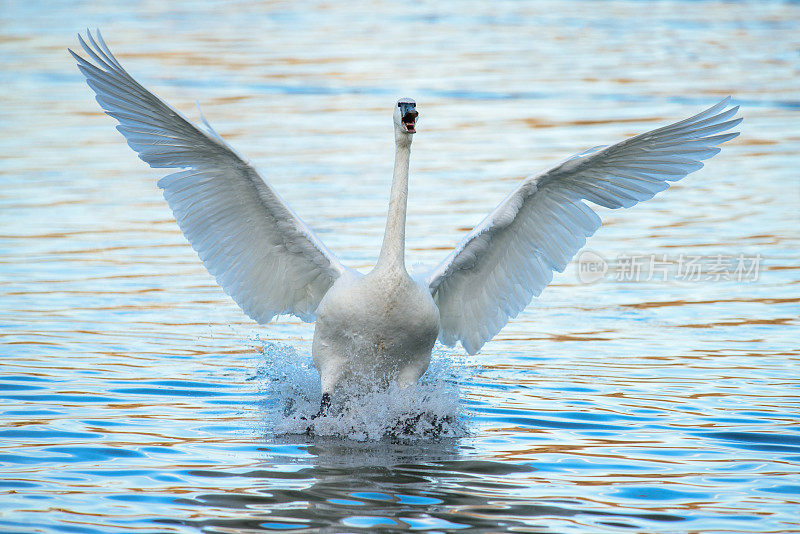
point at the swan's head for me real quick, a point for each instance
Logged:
(405, 116)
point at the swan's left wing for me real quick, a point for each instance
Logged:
(259, 251)
(510, 257)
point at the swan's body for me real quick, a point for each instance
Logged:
(382, 326)
(379, 326)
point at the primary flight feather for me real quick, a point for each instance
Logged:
(381, 326)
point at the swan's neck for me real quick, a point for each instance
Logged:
(394, 239)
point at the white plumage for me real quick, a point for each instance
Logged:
(384, 323)
(259, 251)
(510, 256)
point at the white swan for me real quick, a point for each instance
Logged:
(383, 324)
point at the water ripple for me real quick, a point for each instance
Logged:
(136, 397)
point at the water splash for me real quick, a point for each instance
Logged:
(428, 410)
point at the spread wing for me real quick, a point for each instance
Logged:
(259, 251)
(510, 257)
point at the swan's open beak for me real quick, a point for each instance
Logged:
(410, 120)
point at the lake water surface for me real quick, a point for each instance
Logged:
(136, 397)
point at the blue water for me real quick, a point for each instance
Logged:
(136, 397)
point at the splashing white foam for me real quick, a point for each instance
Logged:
(428, 410)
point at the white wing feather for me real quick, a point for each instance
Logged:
(510, 256)
(259, 251)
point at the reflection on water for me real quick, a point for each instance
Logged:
(134, 396)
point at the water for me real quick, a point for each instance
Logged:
(136, 397)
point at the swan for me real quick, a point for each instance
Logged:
(381, 326)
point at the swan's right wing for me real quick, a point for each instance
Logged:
(508, 258)
(259, 251)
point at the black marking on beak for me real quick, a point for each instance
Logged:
(409, 118)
